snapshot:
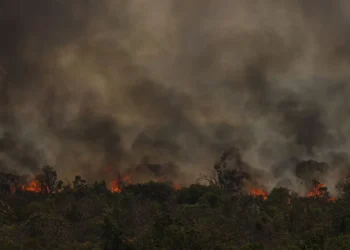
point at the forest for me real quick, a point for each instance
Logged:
(47, 213)
(109, 109)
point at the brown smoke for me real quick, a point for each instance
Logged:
(89, 83)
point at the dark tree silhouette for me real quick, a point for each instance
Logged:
(231, 170)
(8, 183)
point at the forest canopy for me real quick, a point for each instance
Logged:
(46, 213)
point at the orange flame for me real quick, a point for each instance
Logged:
(117, 185)
(177, 186)
(256, 192)
(33, 186)
(331, 199)
(318, 191)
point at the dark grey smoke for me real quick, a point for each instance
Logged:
(87, 84)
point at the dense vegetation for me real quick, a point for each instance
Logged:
(158, 216)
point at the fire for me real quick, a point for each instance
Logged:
(117, 185)
(33, 186)
(256, 192)
(177, 187)
(331, 199)
(319, 190)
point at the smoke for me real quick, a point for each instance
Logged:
(86, 84)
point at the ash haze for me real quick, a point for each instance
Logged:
(88, 84)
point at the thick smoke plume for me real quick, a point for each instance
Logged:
(90, 84)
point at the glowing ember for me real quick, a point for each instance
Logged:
(177, 186)
(256, 192)
(319, 190)
(116, 185)
(331, 199)
(33, 186)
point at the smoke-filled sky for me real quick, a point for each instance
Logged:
(86, 84)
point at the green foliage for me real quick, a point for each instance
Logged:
(6, 213)
(153, 190)
(156, 216)
(194, 193)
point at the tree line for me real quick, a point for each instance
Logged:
(52, 215)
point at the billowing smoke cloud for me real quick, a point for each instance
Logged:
(89, 84)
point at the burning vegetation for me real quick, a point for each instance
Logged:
(256, 192)
(233, 198)
(231, 174)
(136, 83)
(319, 190)
(118, 184)
(33, 186)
